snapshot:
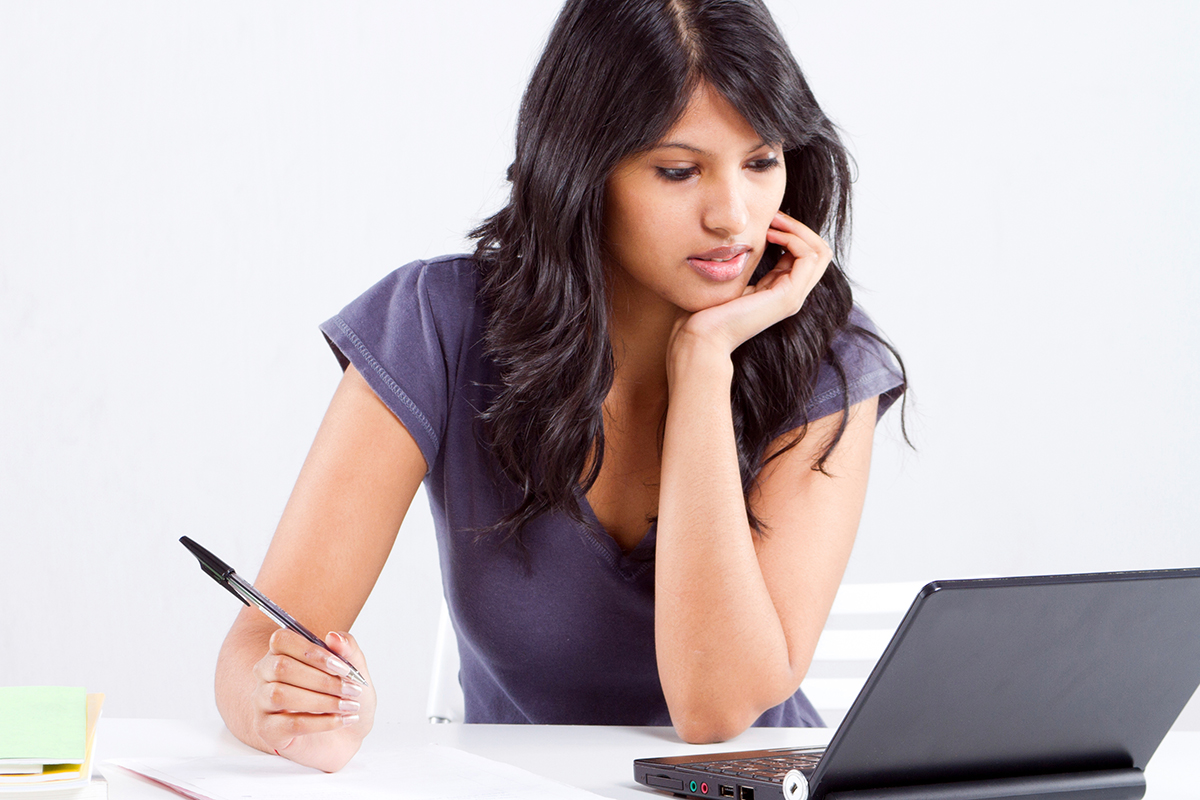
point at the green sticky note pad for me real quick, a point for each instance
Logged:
(46, 724)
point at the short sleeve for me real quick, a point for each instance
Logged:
(405, 335)
(869, 368)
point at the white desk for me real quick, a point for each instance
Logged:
(599, 759)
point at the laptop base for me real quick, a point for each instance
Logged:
(1109, 784)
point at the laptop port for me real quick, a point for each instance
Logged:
(726, 791)
(745, 793)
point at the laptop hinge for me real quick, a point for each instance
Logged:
(1109, 784)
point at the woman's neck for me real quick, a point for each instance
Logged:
(640, 330)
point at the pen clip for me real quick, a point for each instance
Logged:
(214, 567)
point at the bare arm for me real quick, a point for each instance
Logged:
(719, 590)
(274, 690)
(737, 617)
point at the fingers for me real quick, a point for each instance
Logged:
(293, 660)
(282, 730)
(806, 255)
(282, 698)
(300, 691)
(783, 224)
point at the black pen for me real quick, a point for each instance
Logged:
(223, 574)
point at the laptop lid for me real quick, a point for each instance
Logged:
(1010, 677)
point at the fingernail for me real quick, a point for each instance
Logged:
(349, 720)
(338, 636)
(337, 666)
(349, 705)
(351, 689)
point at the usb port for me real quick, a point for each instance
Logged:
(726, 791)
(745, 793)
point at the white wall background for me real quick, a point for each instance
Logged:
(187, 190)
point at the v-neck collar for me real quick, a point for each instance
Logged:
(630, 564)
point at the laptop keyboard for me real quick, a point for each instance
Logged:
(765, 768)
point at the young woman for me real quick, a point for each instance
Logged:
(643, 408)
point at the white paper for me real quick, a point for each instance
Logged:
(431, 771)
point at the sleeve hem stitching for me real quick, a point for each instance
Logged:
(387, 379)
(850, 387)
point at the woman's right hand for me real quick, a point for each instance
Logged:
(337, 531)
(304, 707)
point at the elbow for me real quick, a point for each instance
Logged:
(704, 719)
(707, 723)
(700, 732)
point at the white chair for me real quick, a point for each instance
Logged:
(445, 702)
(863, 618)
(861, 623)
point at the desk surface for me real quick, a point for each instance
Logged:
(599, 759)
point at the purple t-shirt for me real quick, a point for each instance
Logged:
(565, 633)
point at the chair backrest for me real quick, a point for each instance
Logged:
(445, 702)
(861, 623)
(863, 618)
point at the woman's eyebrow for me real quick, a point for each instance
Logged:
(681, 146)
(702, 152)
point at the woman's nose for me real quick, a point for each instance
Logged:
(725, 211)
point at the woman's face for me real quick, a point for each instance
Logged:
(686, 223)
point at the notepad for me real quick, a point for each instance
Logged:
(42, 725)
(74, 774)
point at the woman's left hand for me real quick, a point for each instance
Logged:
(778, 295)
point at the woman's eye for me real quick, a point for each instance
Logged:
(675, 173)
(764, 164)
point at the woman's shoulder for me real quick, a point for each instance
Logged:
(859, 352)
(429, 302)
(446, 278)
(411, 337)
(438, 292)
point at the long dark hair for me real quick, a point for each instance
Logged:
(613, 79)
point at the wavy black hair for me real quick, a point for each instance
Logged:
(615, 76)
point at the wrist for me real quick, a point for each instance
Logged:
(695, 356)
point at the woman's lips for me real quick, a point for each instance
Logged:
(721, 263)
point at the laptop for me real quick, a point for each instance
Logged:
(1045, 686)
